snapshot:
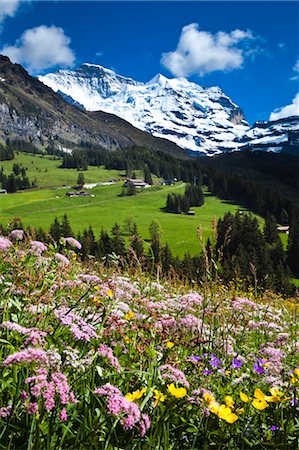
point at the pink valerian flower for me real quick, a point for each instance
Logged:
(5, 411)
(89, 278)
(17, 235)
(73, 242)
(64, 261)
(78, 326)
(38, 247)
(241, 303)
(119, 406)
(35, 336)
(190, 300)
(169, 372)
(32, 408)
(144, 424)
(27, 356)
(107, 352)
(50, 387)
(5, 244)
(63, 415)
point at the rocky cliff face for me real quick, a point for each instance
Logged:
(28, 108)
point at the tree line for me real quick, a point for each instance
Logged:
(239, 251)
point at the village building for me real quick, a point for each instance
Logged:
(138, 184)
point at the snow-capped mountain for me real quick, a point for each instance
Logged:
(199, 119)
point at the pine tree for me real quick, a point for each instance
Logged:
(147, 175)
(80, 180)
(293, 247)
(55, 230)
(270, 230)
(66, 230)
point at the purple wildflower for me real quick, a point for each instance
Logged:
(258, 368)
(236, 363)
(214, 361)
(195, 358)
(206, 372)
(273, 428)
(32, 408)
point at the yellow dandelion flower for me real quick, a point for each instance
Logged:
(170, 344)
(176, 392)
(158, 396)
(129, 315)
(135, 395)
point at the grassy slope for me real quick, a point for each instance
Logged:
(39, 208)
(45, 169)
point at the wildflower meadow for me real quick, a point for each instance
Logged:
(94, 358)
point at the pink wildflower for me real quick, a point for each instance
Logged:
(171, 373)
(32, 408)
(4, 244)
(62, 259)
(107, 352)
(73, 242)
(35, 355)
(17, 235)
(38, 247)
(63, 415)
(5, 411)
(78, 326)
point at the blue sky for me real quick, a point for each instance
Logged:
(249, 49)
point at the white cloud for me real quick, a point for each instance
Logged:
(40, 48)
(201, 52)
(288, 110)
(8, 8)
(296, 70)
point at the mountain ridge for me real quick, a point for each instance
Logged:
(202, 120)
(30, 109)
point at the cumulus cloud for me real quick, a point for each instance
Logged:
(40, 48)
(8, 8)
(200, 52)
(287, 111)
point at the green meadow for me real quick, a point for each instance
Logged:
(39, 208)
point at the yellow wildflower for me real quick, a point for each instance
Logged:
(229, 401)
(244, 397)
(259, 402)
(129, 315)
(214, 407)
(208, 398)
(127, 340)
(135, 395)
(176, 392)
(240, 410)
(225, 413)
(170, 344)
(158, 396)
(296, 372)
(109, 293)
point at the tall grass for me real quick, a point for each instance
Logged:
(95, 359)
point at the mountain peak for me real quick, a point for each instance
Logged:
(158, 79)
